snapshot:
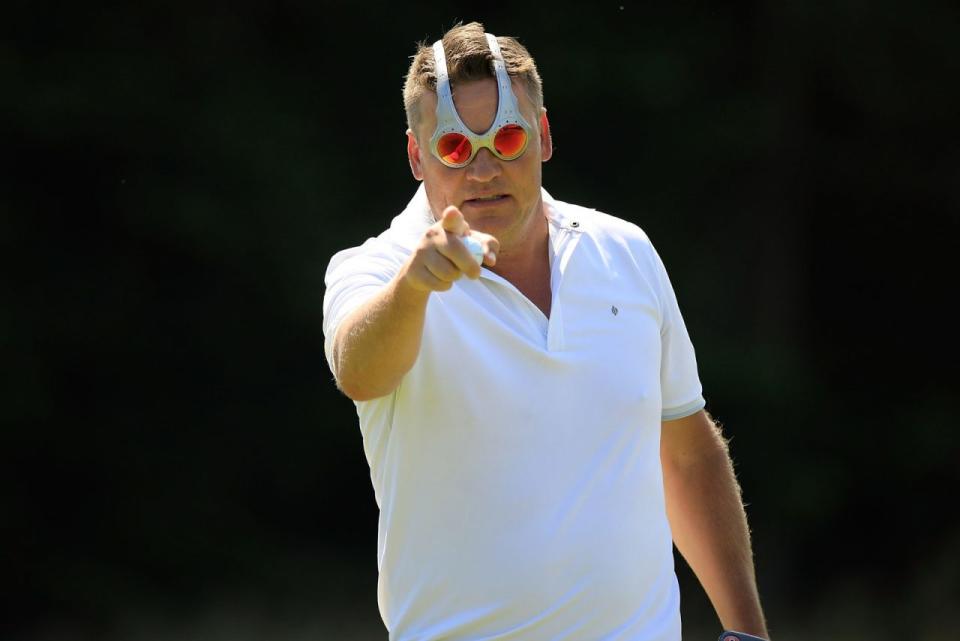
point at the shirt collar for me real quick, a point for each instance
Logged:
(557, 214)
(408, 226)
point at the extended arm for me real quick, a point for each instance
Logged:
(378, 343)
(708, 520)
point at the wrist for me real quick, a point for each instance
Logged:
(408, 289)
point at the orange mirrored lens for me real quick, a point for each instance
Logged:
(510, 140)
(454, 148)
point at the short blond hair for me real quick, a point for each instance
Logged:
(468, 58)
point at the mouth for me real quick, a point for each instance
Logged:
(484, 201)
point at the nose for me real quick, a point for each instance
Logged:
(484, 167)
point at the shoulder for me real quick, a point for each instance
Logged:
(609, 232)
(388, 250)
(608, 226)
(372, 255)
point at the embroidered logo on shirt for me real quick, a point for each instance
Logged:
(614, 310)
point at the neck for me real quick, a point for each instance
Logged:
(527, 264)
(526, 246)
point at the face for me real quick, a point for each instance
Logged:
(515, 217)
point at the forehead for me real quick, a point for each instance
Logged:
(473, 99)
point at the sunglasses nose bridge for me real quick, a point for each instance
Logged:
(484, 167)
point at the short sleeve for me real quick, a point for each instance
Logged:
(354, 276)
(680, 388)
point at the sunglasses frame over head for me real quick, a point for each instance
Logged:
(453, 143)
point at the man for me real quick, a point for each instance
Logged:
(531, 427)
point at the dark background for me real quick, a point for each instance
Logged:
(175, 459)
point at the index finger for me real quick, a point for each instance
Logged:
(453, 221)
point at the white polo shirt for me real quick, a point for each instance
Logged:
(517, 465)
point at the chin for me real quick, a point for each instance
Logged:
(493, 224)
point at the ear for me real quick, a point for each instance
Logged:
(413, 155)
(546, 142)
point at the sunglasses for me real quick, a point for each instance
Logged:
(453, 143)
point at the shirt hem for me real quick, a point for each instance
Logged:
(683, 411)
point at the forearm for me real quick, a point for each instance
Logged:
(377, 344)
(710, 530)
